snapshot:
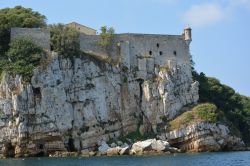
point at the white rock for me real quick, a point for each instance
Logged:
(113, 151)
(142, 146)
(124, 151)
(159, 145)
(104, 147)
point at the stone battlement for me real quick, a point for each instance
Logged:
(39, 36)
(134, 50)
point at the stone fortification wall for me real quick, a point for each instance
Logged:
(134, 50)
(159, 47)
(39, 36)
(141, 51)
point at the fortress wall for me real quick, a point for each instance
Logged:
(39, 36)
(159, 47)
(91, 44)
(155, 49)
(143, 51)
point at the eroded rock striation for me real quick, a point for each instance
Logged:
(204, 136)
(71, 104)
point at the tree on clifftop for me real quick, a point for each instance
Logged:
(107, 35)
(17, 17)
(64, 40)
(22, 58)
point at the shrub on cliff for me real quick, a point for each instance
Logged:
(64, 40)
(106, 35)
(205, 112)
(23, 56)
(17, 17)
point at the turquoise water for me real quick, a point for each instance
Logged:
(201, 159)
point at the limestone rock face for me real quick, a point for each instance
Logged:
(71, 104)
(202, 136)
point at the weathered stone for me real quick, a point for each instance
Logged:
(103, 148)
(92, 153)
(202, 136)
(159, 145)
(113, 151)
(124, 151)
(141, 146)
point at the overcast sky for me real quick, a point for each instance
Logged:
(221, 28)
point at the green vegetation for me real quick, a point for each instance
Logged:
(107, 35)
(236, 107)
(22, 57)
(201, 113)
(207, 112)
(17, 17)
(136, 136)
(64, 40)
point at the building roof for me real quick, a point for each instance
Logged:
(80, 25)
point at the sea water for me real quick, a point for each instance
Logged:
(185, 159)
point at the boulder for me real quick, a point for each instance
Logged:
(92, 153)
(103, 148)
(124, 151)
(113, 151)
(141, 146)
(159, 145)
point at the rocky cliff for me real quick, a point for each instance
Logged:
(71, 104)
(203, 136)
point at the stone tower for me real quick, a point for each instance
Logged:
(187, 35)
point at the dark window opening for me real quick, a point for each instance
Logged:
(150, 52)
(175, 53)
(157, 45)
(160, 52)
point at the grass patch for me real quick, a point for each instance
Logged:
(201, 113)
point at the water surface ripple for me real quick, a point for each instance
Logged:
(196, 159)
